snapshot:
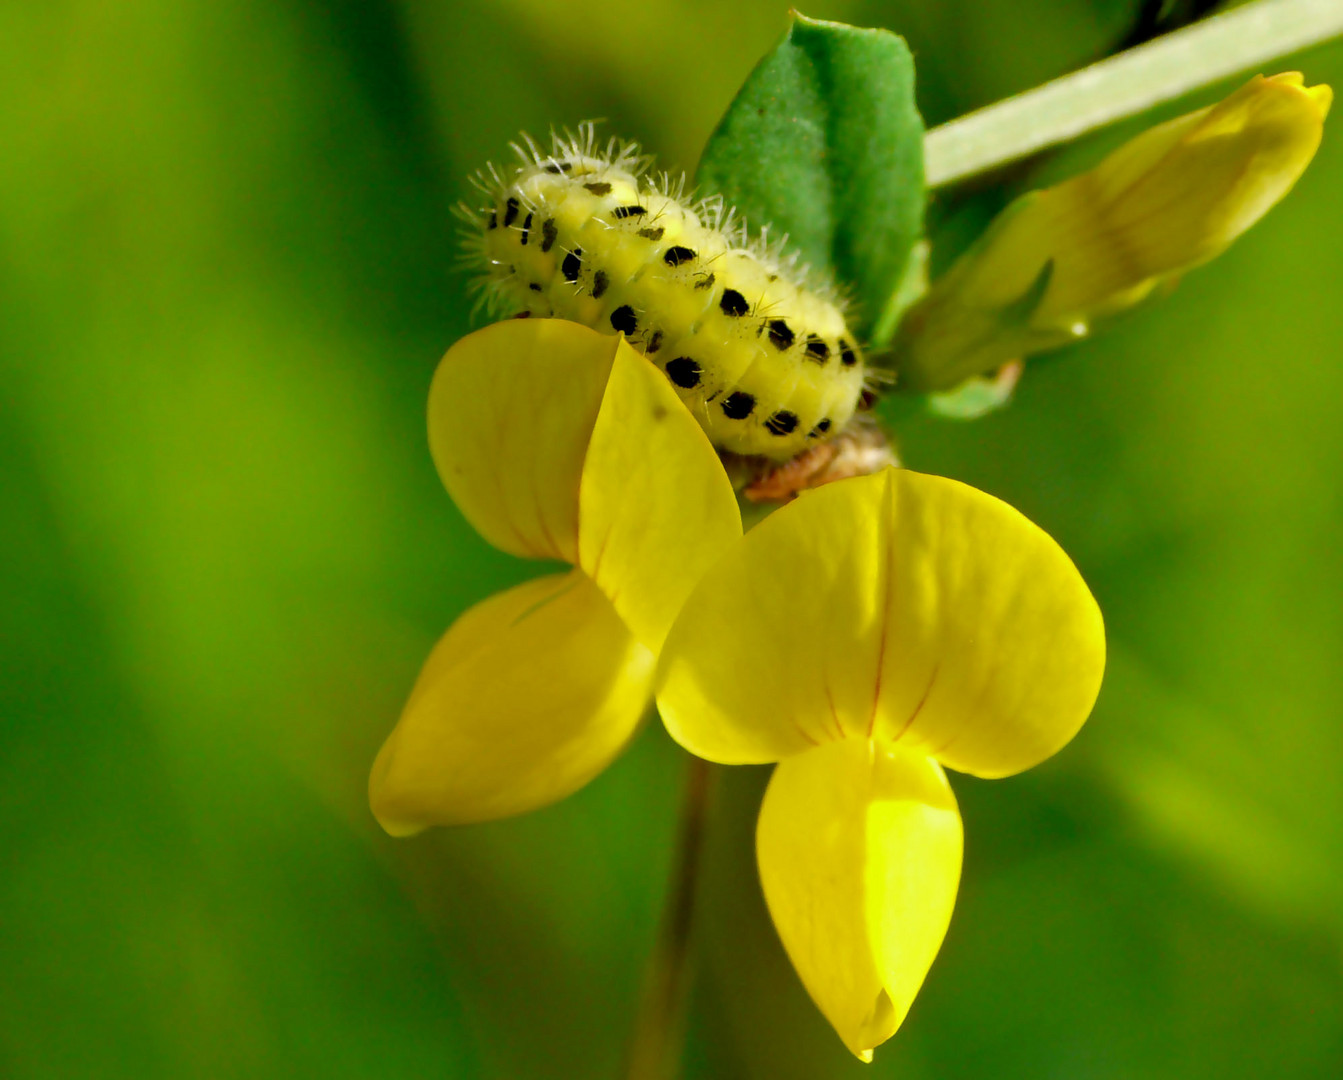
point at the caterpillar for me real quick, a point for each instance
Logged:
(763, 359)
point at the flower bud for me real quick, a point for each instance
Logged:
(1056, 262)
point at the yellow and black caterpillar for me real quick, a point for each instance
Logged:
(766, 364)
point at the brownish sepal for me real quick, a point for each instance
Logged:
(859, 450)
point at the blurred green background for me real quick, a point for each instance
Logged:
(227, 269)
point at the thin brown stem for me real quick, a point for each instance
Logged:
(655, 1047)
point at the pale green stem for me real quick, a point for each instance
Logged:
(1127, 84)
(655, 1047)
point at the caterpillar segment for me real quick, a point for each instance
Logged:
(765, 362)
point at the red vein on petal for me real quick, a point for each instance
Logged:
(595, 572)
(834, 715)
(885, 609)
(922, 701)
(802, 731)
(936, 754)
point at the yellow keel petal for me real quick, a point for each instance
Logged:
(860, 855)
(525, 699)
(656, 507)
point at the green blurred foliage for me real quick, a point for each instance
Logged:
(227, 267)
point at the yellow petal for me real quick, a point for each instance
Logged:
(656, 507)
(1057, 261)
(525, 699)
(860, 854)
(1179, 194)
(908, 608)
(511, 412)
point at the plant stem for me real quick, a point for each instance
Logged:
(1126, 85)
(655, 1047)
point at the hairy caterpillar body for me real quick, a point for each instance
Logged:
(766, 364)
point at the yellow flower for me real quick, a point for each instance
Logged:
(865, 636)
(560, 443)
(1057, 261)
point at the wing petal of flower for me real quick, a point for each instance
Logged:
(525, 699)
(511, 412)
(656, 507)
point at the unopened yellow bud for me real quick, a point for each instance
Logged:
(1057, 261)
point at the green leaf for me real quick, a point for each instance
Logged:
(824, 142)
